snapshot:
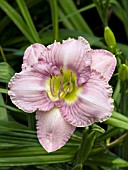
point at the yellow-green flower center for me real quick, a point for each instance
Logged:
(63, 86)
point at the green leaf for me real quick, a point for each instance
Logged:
(6, 72)
(78, 167)
(97, 128)
(118, 120)
(116, 94)
(11, 125)
(120, 117)
(20, 147)
(66, 33)
(16, 18)
(3, 91)
(65, 21)
(108, 134)
(31, 121)
(85, 147)
(124, 49)
(54, 11)
(78, 22)
(3, 111)
(28, 19)
(122, 14)
(106, 159)
(10, 108)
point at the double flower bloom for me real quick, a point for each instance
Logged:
(67, 85)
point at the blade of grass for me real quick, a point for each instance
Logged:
(79, 23)
(35, 160)
(6, 72)
(65, 21)
(66, 33)
(25, 12)
(3, 111)
(120, 117)
(4, 22)
(31, 121)
(54, 11)
(2, 54)
(64, 18)
(3, 91)
(11, 125)
(108, 159)
(90, 6)
(16, 18)
(10, 108)
(121, 13)
(117, 123)
(125, 4)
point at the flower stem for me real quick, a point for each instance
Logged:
(110, 145)
(102, 9)
(84, 149)
(123, 150)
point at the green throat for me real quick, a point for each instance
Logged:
(63, 86)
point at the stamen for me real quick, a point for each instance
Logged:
(61, 83)
(64, 85)
(61, 86)
(50, 76)
(59, 94)
(69, 89)
(51, 85)
(52, 82)
(61, 71)
(70, 82)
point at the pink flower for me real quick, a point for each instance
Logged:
(67, 85)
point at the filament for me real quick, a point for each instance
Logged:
(61, 89)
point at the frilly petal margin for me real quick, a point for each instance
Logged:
(94, 103)
(33, 55)
(103, 61)
(71, 54)
(52, 130)
(27, 91)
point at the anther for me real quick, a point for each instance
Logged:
(52, 82)
(51, 76)
(70, 83)
(61, 71)
(61, 83)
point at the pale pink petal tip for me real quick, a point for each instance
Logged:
(27, 91)
(70, 54)
(33, 55)
(52, 130)
(94, 103)
(103, 61)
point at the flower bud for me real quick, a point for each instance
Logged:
(109, 37)
(123, 72)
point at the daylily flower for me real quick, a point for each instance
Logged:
(67, 85)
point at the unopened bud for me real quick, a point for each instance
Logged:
(123, 72)
(109, 37)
